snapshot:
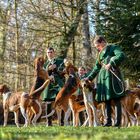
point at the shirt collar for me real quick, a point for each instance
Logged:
(52, 60)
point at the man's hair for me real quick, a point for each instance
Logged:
(51, 49)
(82, 68)
(99, 39)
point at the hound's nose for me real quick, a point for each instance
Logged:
(84, 84)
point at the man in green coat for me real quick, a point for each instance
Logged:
(110, 85)
(55, 67)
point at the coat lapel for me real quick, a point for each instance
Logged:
(104, 53)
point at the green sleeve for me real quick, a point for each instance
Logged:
(94, 71)
(118, 57)
(60, 64)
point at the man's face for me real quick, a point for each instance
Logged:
(99, 46)
(50, 54)
(81, 71)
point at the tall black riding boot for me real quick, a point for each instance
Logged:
(108, 111)
(118, 112)
(49, 109)
(62, 118)
(81, 117)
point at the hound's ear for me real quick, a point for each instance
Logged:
(4, 88)
(67, 62)
(76, 69)
(42, 60)
(35, 62)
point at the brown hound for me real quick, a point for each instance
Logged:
(11, 102)
(30, 103)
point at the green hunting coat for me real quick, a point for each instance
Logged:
(53, 88)
(108, 86)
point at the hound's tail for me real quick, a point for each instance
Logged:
(41, 88)
(50, 114)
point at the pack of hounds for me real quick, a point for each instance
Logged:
(30, 104)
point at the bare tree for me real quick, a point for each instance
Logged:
(86, 35)
(4, 18)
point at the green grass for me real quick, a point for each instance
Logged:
(42, 132)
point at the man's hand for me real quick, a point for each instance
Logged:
(52, 78)
(86, 79)
(52, 67)
(107, 67)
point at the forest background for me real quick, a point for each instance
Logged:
(28, 27)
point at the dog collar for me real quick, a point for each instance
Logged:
(6, 95)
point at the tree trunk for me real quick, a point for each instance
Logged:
(16, 45)
(68, 38)
(4, 16)
(97, 27)
(86, 35)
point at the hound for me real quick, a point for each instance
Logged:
(30, 103)
(11, 103)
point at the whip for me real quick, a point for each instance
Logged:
(113, 73)
(122, 84)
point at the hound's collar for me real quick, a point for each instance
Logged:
(71, 75)
(6, 95)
